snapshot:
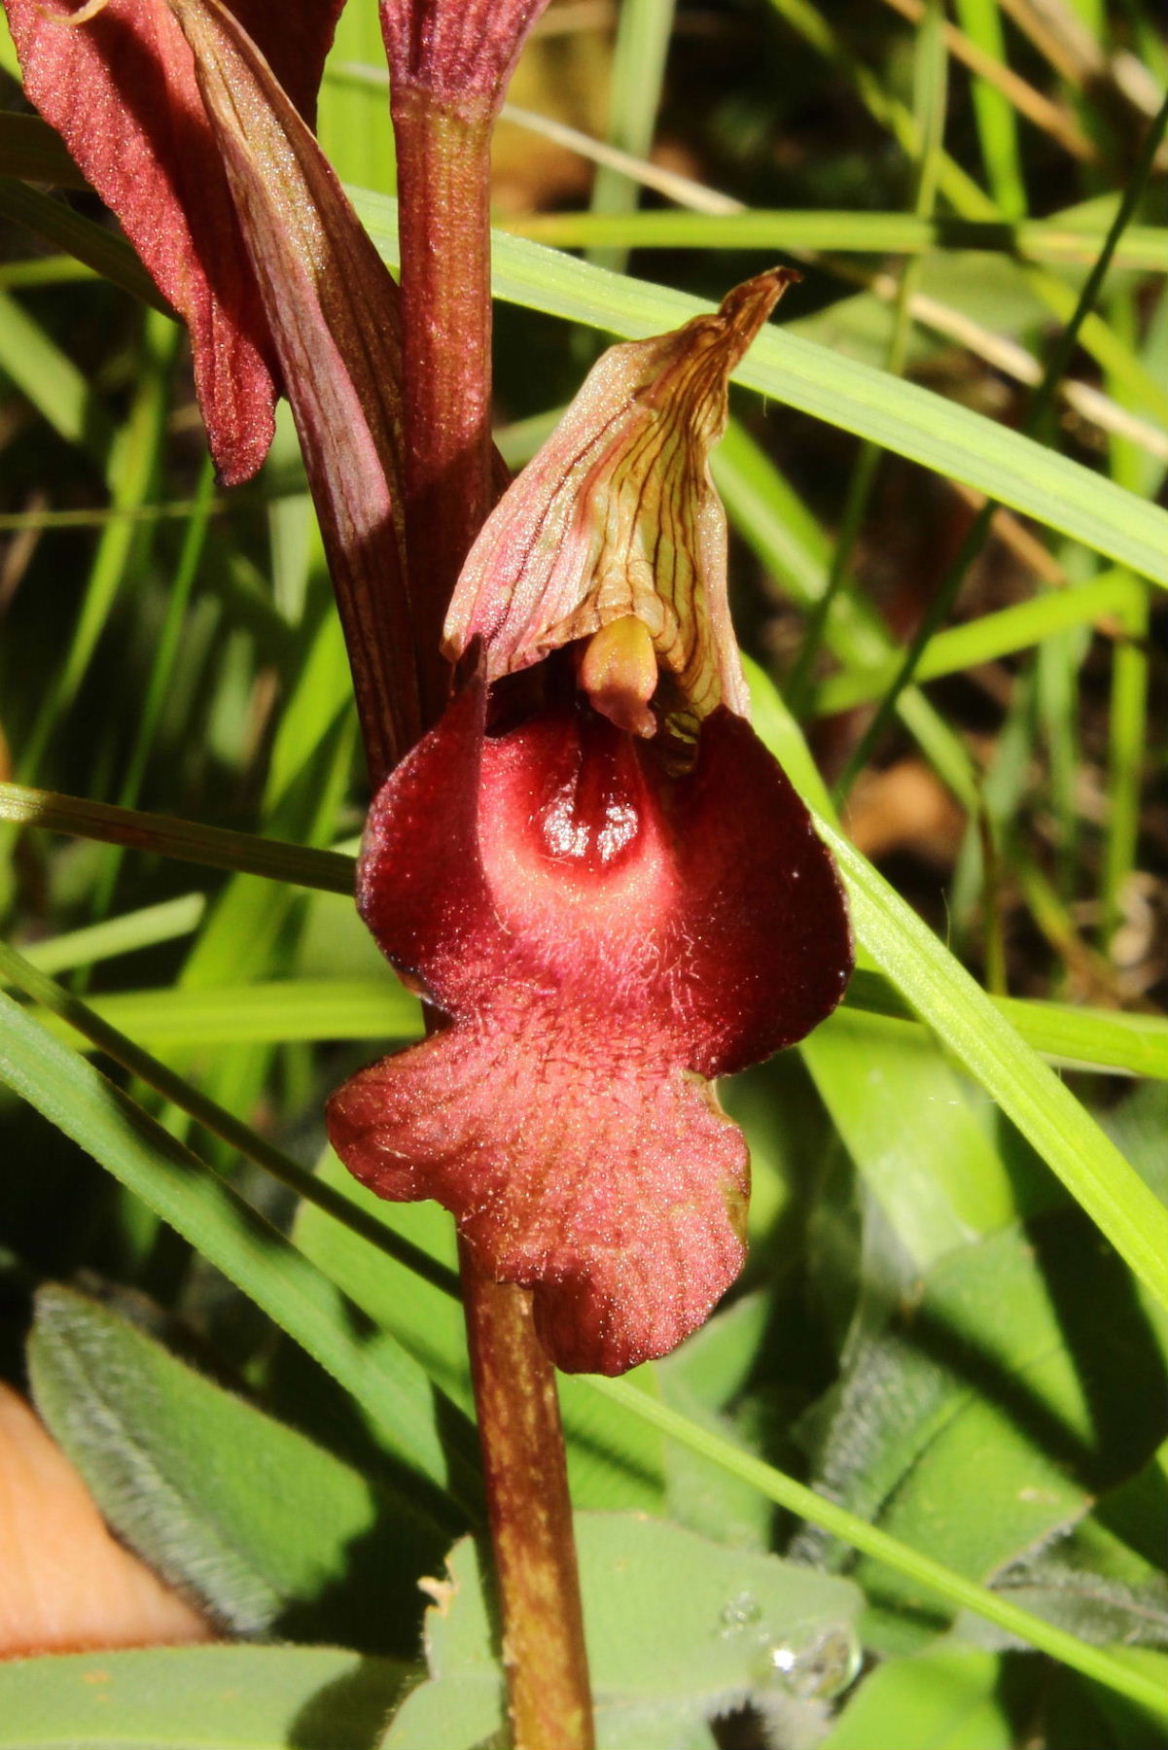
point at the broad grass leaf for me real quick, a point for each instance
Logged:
(912, 1131)
(1027, 1364)
(269, 1531)
(680, 1630)
(199, 1698)
(1105, 1580)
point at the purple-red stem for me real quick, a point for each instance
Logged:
(530, 1515)
(444, 221)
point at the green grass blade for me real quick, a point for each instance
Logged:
(52, 383)
(44, 270)
(986, 639)
(69, 1015)
(638, 69)
(969, 200)
(353, 111)
(282, 1011)
(996, 122)
(135, 466)
(166, 658)
(930, 83)
(899, 416)
(29, 147)
(1028, 1092)
(267, 1012)
(978, 1034)
(788, 541)
(1105, 1040)
(1059, 242)
(103, 252)
(214, 846)
(144, 928)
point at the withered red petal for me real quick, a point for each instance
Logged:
(121, 89)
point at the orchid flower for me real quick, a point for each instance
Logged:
(595, 870)
(590, 866)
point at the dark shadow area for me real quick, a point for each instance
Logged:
(350, 1713)
(302, 1393)
(375, 1603)
(1118, 1359)
(1108, 1339)
(1078, 1715)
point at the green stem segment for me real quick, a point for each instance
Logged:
(444, 219)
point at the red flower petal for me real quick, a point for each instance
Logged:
(603, 936)
(121, 89)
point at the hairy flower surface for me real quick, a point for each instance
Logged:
(597, 873)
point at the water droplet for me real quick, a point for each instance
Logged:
(818, 1666)
(741, 1613)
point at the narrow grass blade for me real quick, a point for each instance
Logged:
(987, 639)
(900, 416)
(215, 846)
(146, 928)
(1105, 1040)
(272, 1012)
(70, 1016)
(1049, 241)
(638, 68)
(52, 383)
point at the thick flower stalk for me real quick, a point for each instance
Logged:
(596, 871)
(449, 64)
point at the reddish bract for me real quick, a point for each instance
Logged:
(462, 52)
(121, 89)
(603, 936)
